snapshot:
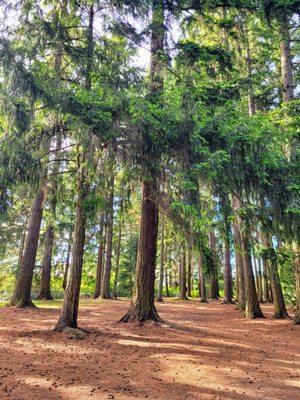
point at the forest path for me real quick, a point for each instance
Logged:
(203, 352)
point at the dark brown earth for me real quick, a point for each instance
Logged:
(203, 352)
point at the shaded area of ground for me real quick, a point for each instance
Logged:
(205, 352)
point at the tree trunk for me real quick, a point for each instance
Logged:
(67, 265)
(182, 275)
(202, 286)
(241, 298)
(45, 293)
(159, 297)
(167, 281)
(99, 259)
(142, 307)
(286, 60)
(118, 252)
(255, 271)
(252, 309)
(189, 267)
(21, 295)
(227, 274)
(260, 283)
(251, 104)
(280, 311)
(69, 311)
(214, 282)
(266, 294)
(22, 244)
(105, 289)
(296, 319)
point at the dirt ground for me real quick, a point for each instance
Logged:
(201, 352)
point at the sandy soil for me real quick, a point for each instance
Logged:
(203, 352)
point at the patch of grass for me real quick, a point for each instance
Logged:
(48, 303)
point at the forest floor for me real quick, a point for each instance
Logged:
(202, 352)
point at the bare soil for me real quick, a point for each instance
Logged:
(203, 351)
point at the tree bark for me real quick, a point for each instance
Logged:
(67, 265)
(260, 284)
(182, 275)
(118, 253)
(105, 288)
(296, 248)
(100, 259)
(286, 60)
(227, 274)
(280, 311)
(202, 286)
(21, 295)
(22, 244)
(252, 309)
(266, 293)
(214, 282)
(241, 298)
(69, 311)
(142, 307)
(189, 266)
(45, 293)
(159, 297)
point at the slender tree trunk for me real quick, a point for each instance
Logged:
(105, 289)
(67, 265)
(182, 275)
(202, 286)
(255, 272)
(69, 311)
(167, 283)
(159, 297)
(22, 244)
(286, 60)
(100, 258)
(241, 298)
(260, 283)
(251, 104)
(252, 309)
(118, 252)
(21, 295)
(266, 294)
(280, 311)
(214, 282)
(142, 307)
(296, 248)
(189, 266)
(45, 293)
(227, 274)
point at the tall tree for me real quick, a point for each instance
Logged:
(142, 307)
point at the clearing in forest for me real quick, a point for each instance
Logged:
(202, 352)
